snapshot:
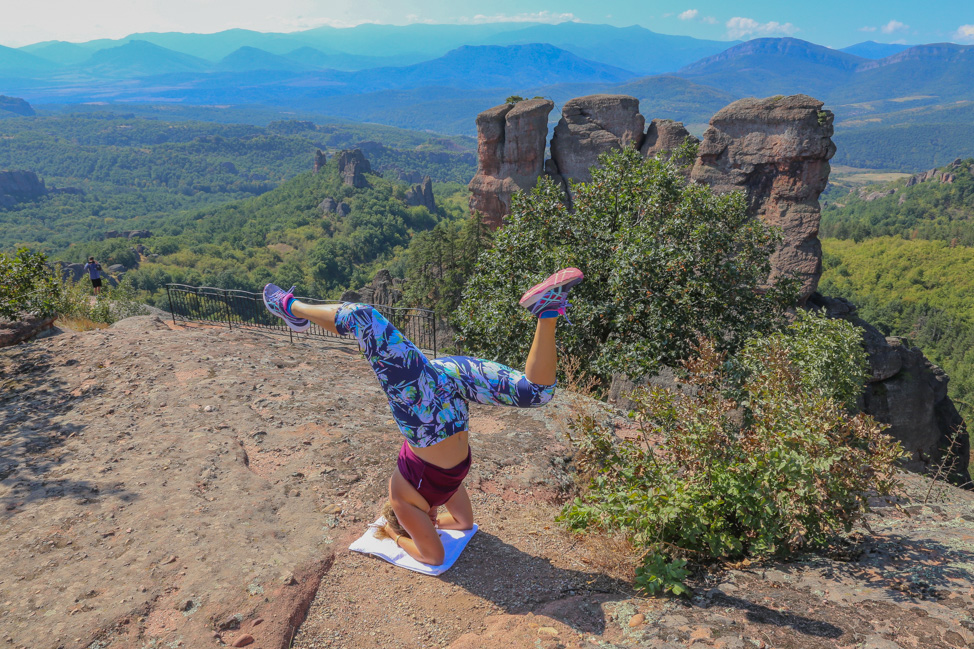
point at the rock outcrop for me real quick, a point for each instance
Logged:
(331, 206)
(946, 177)
(511, 142)
(909, 393)
(20, 185)
(352, 166)
(589, 127)
(25, 328)
(16, 105)
(664, 135)
(422, 195)
(320, 160)
(777, 150)
(383, 290)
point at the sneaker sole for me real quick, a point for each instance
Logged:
(565, 278)
(298, 329)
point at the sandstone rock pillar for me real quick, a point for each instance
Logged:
(353, 165)
(777, 150)
(589, 127)
(510, 146)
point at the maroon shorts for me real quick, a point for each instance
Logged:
(436, 484)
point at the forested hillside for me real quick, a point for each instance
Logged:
(285, 236)
(938, 204)
(902, 252)
(137, 172)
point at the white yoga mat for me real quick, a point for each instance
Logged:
(454, 541)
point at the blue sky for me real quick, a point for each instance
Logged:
(828, 22)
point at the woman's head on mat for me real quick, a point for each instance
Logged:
(392, 524)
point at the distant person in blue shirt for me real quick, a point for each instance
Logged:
(93, 269)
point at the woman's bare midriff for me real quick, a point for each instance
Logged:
(446, 454)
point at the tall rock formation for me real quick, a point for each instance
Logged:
(422, 195)
(16, 186)
(909, 393)
(352, 166)
(383, 290)
(589, 127)
(510, 145)
(320, 160)
(777, 150)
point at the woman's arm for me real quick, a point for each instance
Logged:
(425, 545)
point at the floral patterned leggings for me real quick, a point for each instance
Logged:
(429, 398)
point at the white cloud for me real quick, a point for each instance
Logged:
(893, 26)
(694, 14)
(867, 29)
(412, 19)
(536, 17)
(738, 27)
(965, 34)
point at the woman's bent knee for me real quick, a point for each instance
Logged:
(537, 396)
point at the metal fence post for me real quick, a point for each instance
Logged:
(226, 303)
(172, 311)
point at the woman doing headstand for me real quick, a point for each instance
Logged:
(429, 400)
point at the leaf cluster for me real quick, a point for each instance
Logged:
(27, 285)
(665, 262)
(750, 457)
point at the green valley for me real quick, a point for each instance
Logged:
(902, 251)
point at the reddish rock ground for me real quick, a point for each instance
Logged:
(167, 487)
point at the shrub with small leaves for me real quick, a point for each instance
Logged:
(27, 285)
(736, 463)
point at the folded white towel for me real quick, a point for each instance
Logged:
(454, 541)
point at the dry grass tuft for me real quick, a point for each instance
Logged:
(78, 323)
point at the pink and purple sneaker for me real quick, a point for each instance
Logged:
(278, 302)
(549, 298)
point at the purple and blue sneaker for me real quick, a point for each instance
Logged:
(549, 298)
(278, 302)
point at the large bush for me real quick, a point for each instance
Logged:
(665, 262)
(27, 285)
(751, 458)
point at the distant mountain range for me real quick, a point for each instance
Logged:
(438, 77)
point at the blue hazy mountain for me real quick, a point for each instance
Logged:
(772, 66)
(939, 72)
(23, 63)
(59, 52)
(341, 61)
(494, 66)
(632, 48)
(401, 40)
(874, 50)
(249, 58)
(214, 47)
(141, 59)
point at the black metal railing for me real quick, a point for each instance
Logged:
(232, 308)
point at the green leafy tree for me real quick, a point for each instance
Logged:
(665, 262)
(771, 468)
(27, 285)
(440, 261)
